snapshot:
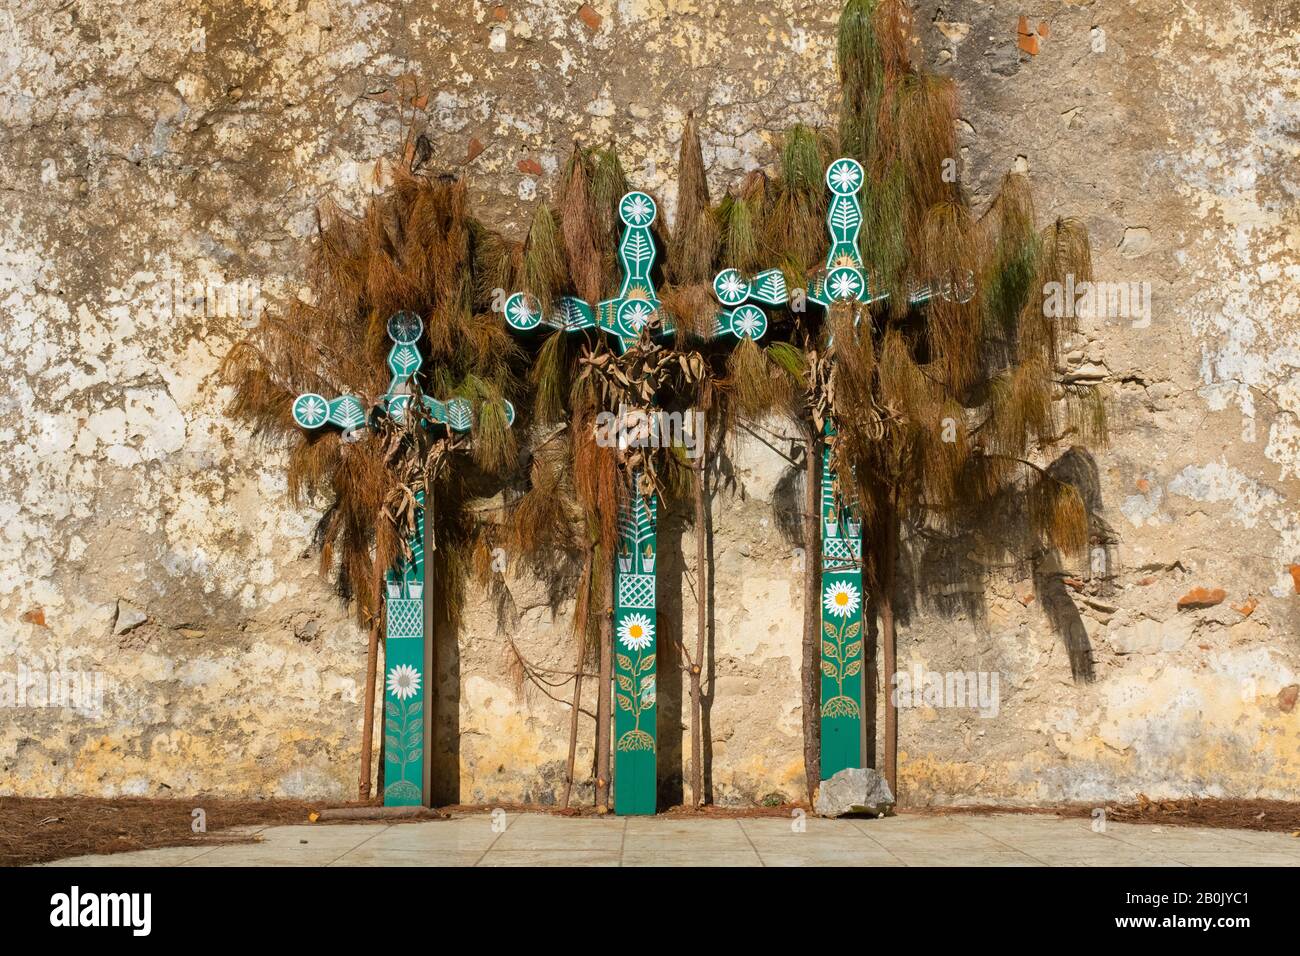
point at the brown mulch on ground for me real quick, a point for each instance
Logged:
(1273, 815)
(38, 830)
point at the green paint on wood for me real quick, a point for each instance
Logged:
(842, 633)
(404, 678)
(404, 635)
(635, 644)
(842, 629)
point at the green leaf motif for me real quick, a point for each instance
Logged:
(829, 669)
(391, 709)
(624, 703)
(852, 629)
(853, 669)
(624, 682)
(829, 650)
(624, 662)
(829, 628)
(638, 248)
(852, 650)
(647, 664)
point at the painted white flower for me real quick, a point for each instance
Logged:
(636, 632)
(845, 176)
(519, 312)
(637, 209)
(731, 288)
(844, 286)
(637, 315)
(403, 681)
(405, 327)
(311, 410)
(747, 322)
(841, 599)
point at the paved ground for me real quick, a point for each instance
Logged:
(540, 840)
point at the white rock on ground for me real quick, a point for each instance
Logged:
(854, 790)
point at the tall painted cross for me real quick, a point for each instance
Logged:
(842, 597)
(635, 624)
(408, 644)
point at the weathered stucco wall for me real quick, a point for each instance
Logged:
(147, 547)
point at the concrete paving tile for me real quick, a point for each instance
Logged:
(293, 846)
(532, 832)
(644, 834)
(1170, 839)
(267, 856)
(1029, 827)
(164, 856)
(1276, 841)
(937, 857)
(792, 853)
(470, 833)
(812, 827)
(429, 856)
(1116, 855)
(970, 842)
(344, 835)
(1250, 856)
(697, 856)
(588, 857)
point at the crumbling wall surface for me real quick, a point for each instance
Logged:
(162, 161)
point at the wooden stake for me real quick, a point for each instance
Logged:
(888, 641)
(368, 718)
(702, 615)
(603, 688)
(811, 683)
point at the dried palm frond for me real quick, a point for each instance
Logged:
(416, 248)
(608, 186)
(581, 228)
(694, 242)
(544, 259)
(693, 309)
(794, 227)
(739, 234)
(861, 78)
(551, 379)
(753, 385)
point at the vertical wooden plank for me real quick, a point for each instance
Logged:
(842, 628)
(635, 644)
(404, 676)
(842, 599)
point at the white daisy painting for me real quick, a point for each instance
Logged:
(403, 681)
(635, 632)
(841, 599)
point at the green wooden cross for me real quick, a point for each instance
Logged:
(635, 625)
(406, 643)
(845, 278)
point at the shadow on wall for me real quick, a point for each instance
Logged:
(949, 573)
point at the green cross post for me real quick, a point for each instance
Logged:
(408, 644)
